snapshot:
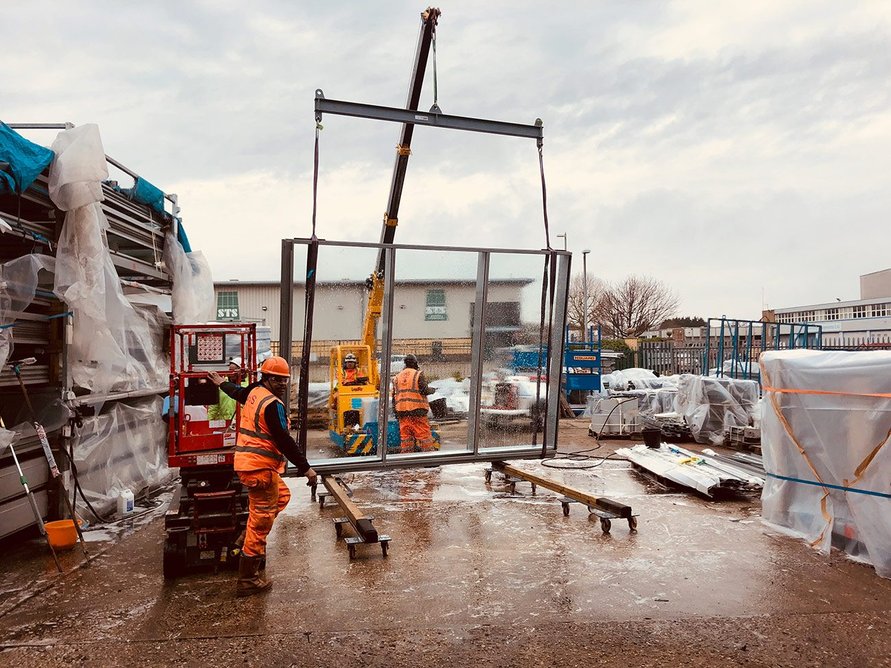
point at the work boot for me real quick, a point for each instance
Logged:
(249, 579)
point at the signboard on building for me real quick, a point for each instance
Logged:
(435, 313)
(227, 312)
(227, 305)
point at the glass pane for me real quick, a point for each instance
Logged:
(514, 383)
(433, 296)
(342, 404)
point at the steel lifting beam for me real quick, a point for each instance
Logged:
(397, 115)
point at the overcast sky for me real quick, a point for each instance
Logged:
(738, 152)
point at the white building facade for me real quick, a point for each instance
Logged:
(861, 322)
(423, 309)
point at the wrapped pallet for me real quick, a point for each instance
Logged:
(712, 406)
(826, 424)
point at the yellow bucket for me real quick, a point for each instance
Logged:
(62, 534)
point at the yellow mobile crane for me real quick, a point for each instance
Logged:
(351, 398)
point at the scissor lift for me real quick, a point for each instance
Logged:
(210, 507)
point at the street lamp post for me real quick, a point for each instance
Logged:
(585, 295)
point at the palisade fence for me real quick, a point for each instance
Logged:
(667, 357)
(664, 357)
(426, 350)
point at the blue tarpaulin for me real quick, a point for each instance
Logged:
(25, 160)
(145, 193)
(181, 236)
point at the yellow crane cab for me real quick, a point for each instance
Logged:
(354, 394)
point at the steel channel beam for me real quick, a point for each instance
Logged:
(555, 362)
(398, 115)
(386, 321)
(360, 522)
(589, 500)
(286, 312)
(464, 249)
(421, 459)
(477, 351)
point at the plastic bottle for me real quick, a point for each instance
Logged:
(125, 503)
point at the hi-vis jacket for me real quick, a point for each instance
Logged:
(255, 448)
(410, 393)
(353, 376)
(263, 440)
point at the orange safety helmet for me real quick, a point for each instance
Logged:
(275, 366)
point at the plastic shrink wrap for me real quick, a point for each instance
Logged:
(122, 448)
(711, 405)
(825, 428)
(193, 295)
(18, 284)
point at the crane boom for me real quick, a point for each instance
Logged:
(374, 283)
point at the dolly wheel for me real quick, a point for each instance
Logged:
(605, 524)
(384, 548)
(565, 509)
(352, 550)
(632, 523)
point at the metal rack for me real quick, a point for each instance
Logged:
(136, 241)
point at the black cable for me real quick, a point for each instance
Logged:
(600, 433)
(78, 488)
(579, 455)
(549, 463)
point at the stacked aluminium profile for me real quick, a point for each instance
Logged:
(36, 322)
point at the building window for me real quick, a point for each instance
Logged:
(436, 306)
(227, 305)
(859, 311)
(807, 316)
(832, 314)
(879, 310)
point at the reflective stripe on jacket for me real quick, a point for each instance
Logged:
(254, 448)
(407, 396)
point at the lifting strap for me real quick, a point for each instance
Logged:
(548, 289)
(312, 257)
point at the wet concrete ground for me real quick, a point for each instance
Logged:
(474, 576)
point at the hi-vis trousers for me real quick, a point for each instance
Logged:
(267, 497)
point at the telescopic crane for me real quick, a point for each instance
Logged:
(349, 398)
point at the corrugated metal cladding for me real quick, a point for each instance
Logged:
(340, 308)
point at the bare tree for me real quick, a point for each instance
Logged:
(575, 308)
(635, 305)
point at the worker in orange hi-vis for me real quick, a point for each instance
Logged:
(261, 447)
(410, 404)
(352, 374)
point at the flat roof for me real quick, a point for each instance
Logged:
(357, 282)
(835, 304)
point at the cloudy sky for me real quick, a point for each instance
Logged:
(738, 152)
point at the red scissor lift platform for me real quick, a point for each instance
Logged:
(210, 507)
